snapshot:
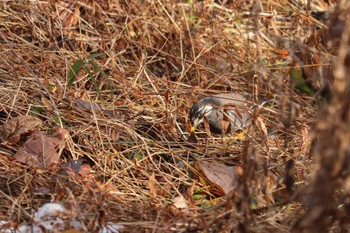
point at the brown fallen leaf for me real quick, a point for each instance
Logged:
(93, 107)
(68, 14)
(152, 185)
(42, 151)
(192, 138)
(12, 130)
(180, 204)
(76, 169)
(222, 178)
(88, 106)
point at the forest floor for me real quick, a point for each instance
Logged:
(94, 126)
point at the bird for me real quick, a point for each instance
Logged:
(217, 109)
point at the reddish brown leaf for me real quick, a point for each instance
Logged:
(12, 130)
(76, 169)
(220, 176)
(42, 151)
(85, 170)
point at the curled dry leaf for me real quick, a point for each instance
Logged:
(12, 130)
(223, 178)
(42, 151)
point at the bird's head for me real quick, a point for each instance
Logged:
(198, 112)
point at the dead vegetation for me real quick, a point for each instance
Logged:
(121, 76)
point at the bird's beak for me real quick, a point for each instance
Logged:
(196, 122)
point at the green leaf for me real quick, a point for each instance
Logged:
(94, 55)
(253, 206)
(36, 111)
(93, 80)
(73, 71)
(138, 156)
(299, 82)
(206, 204)
(95, 66)
(197, 196)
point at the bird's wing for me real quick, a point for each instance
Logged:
(230, 99)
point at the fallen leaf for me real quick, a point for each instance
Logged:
(152, 188)
(85, 170)
(76, 169)
(47, 103)
(68, 14)
(93, 107)
(180, 203)
(88, 106)
(42, 151)
(12, 130)
(222, 178)
(192, 138)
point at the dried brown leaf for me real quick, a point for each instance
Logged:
(12, 130)
(42, 151)
(76, 169)
(69, 17)
(219, 175)
(47, 103)
(152, 188)
(180, 203)
(87, 106)
(92, 107)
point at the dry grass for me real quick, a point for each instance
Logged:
(155, 59)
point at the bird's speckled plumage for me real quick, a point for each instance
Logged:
(213, 109)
